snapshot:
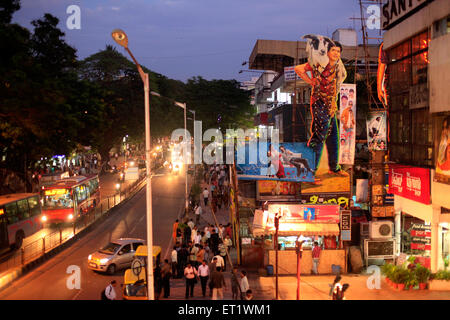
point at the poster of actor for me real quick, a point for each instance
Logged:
(292, 162)
(442, 147)
(347, 123)
(324, 72)
(376, 131)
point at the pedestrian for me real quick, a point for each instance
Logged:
(109, 293)
(190, 274)
(200, 254)
(249, 295)
(203, 272)
(207, 256)
(316, 257)
(165, 277)
(158, 284)
(198, 212)
(337, 289)
(234, 284)
(187, 234)
(205, 196)
(174, 230)
(220, 262)
(244, 284)
(214, 242)
(223, 254)
(194, 234)
(229, 230)
(193, 254)
(183, 256)
(174, 260)
(218, 283)
(203, 238)
(191, 224)
(221, 235)
(228, 242)
(212, 267)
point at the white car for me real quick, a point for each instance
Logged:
(115, 255)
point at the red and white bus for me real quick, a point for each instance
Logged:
(68, 199)
(20, 217)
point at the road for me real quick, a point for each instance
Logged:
(49, 281)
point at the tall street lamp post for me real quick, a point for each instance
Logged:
(121, 38)
(183, 105)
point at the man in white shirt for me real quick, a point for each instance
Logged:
(244, 284)
(203, 272)
(198, 212)
(194, 232)
(205, 196)
(220, 262)
(110, 292)
(174, 260)
(191, 224)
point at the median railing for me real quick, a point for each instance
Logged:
(59, 235)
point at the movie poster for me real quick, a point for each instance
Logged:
(376, 130)
(347, 127)
(442, 149)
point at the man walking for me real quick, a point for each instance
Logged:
(174, 259)
(190, 273)
(244, 284)
(203, 272)
(205, 196)
(234, 283)
(109, 292)
(198, 212)
(316, 257)
(165, 275)
(218, 283)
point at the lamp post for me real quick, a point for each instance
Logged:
(299, 250)
(121, 38)
(186, 203)
(195, 167)
(277, 224)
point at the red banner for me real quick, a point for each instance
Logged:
(410, 182)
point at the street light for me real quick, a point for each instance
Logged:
(121, 38)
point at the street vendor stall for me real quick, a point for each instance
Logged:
(306, 223)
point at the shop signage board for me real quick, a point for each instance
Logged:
(410, 182)
(273, 190)
(287, 162)
(388, 197)
(347, 123)
(342, 199)
(395, 11)
(305, 213)
(421, 237)
(290, 75)
(346, 225)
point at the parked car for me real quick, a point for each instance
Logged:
(115, 255)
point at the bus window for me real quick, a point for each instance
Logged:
(11, 212)
(33, 203)
(24, 211)
(57, 199)
(81, 193)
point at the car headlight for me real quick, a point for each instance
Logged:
(90, 257)
(70, 216)
(104, 261)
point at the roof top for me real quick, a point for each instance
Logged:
(69, 182)
(7, 198)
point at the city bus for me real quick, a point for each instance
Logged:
(68, 199)
(20, 217)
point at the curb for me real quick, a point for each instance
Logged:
(16, 273)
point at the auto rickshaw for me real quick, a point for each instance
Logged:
(135, 278)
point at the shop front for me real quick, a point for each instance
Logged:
(306, 224)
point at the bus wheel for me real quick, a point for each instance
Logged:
(19, 239)
(111, 269)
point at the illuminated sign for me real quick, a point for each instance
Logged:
(395, 11)
(1, 212)
(305, 213)
(53, 192)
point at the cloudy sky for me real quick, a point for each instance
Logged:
(185, 38)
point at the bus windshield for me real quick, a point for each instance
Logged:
(57, 199)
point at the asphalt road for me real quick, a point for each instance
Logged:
(49, 281)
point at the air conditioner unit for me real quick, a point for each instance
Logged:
(364, 229)
(382, 230)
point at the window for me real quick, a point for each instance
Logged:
(11, 212)
(136, 245)
(33, 203)
(441, 27)
(24, 211)
(126, 249)
(81, 193)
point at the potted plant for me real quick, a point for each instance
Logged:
(395, 276)
(412, 281)
(422, 275)
(403, 276)
(387, 269)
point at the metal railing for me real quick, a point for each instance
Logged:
(30, 252)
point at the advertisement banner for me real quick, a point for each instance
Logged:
(288, 162)
(290, 75)
(331, 198)
(442, 149)
(346, 225)
(347, 127)
(362, 190)
(410, 182)
(305, 213)
(267, 190)
(376, 130)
